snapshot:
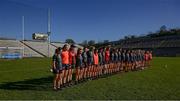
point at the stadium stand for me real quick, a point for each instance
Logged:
(40, 47)
(15, 46)
(31, 48)
(10, 43)
(57, 44)
(30, 52)
(167, 45)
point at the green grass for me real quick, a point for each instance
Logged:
(30, 79)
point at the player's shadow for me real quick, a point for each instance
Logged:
(31, 84)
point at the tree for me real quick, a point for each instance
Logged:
(100, 42)
(163, 28)
(85, 43)
(163, 31)
(70, 41)
(133, 36)
(126, 37)
(106, 41)
(91, 42)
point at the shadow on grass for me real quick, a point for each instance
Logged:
(31, 84)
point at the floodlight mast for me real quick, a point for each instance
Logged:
(23, 34)
(49, 31)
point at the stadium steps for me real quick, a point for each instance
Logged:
(10, 43)
(162, 44)
(54, 45)
(33, 49)
(42, 47)
(28, 52)
(58, 44)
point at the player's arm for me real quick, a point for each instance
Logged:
(54, 63)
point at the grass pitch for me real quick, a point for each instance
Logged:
(30, 79)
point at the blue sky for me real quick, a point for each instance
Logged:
(88, 19)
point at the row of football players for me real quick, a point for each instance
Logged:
(93, 63)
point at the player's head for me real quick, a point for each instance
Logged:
(72, 47)
(59, 49)
(100, 50)
(151, 52)
(92, 48)
(85, 49)
(65, 47)
(113, 50)
(95, 51)
(104, 48)
(124, 51)
(107, 48)
(79, 51)
(117, 49)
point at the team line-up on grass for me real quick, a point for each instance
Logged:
(93, 63)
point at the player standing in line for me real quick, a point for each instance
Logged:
(100, 53)
(131, 60)
(96, 63)
(146, 58)
(82, 67)
(72, 63)
(104, 61)
(65, 63)
(90, 54)
(111, 60)
(57, 70)
(150, 58)
(89, 63)
(116, 61)
(119, 60)
(79, 64)
(61, 74)
(123, 59)
(136, 58)
(107, 59)
(126, 61)
(85, 69)
(143, 60)
(140, 59)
